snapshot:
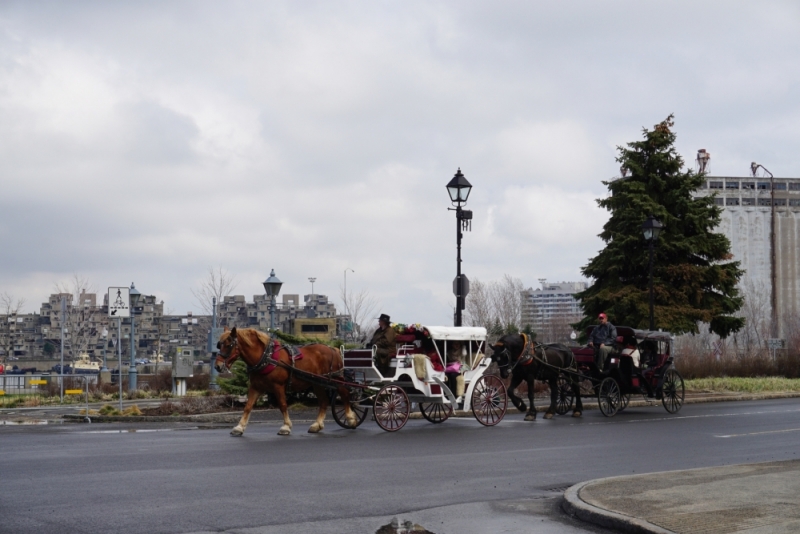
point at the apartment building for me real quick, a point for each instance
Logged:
(550, 309)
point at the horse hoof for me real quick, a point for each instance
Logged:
(522, 408)
(548, 415)
(284, 432)
(237, 432)
(313, 429)
(530, 417)
(576, 414)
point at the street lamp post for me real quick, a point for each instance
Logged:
(651, 228)
(61, 368)
(132, 373)
(272, 286)
(345, 298)
(105, 346)
(459, 188)
(772, 263)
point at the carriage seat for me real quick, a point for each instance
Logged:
(427, 366)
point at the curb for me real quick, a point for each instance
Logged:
(233, 417)
(574, 506)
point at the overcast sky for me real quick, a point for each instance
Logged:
(146, 142)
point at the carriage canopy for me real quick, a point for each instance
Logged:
(457, 333)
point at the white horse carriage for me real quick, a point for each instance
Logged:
(438, 368)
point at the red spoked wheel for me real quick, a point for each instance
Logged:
(436, 412)
(489, 400)
(391, 408)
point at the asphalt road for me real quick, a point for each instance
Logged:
(453, 477)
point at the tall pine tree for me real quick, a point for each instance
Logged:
(693, 277)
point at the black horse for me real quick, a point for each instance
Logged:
(527, 361)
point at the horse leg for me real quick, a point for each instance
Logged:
(576, 390)
(319, 424)
(252, 396)
(531, 415)
(280, 395)
(553, 383)
(512, 387)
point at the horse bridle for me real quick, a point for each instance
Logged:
(233, 351)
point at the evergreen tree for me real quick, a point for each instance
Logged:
(693, 277)
(239, 383)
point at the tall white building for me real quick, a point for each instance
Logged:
(550, 309)
(750, 205)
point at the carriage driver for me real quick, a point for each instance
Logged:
(384, 339)
(602, 339)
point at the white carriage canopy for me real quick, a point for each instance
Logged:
(457, 333)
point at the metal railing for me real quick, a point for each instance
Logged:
(19, 391)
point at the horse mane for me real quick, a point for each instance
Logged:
(245, 335)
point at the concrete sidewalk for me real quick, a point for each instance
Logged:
(754, 498)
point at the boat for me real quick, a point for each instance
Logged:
(83, 365)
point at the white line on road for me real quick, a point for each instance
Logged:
(760, 433)
(677, 417)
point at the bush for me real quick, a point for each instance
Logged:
(693, 365)
(191, 405)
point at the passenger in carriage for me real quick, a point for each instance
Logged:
(430, 351)
(456, 353)
(649, 353)
(629, 349)
(383, 338)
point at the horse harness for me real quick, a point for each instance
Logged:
(532, 351)
(269, 361)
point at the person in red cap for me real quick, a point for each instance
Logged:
(602, 339)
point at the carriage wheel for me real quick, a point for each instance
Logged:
(391, 408)
(673, 391)
(609, 397)
(337, 409)
(565, 397)
(489, 400)
(436, 412)
(626, 398)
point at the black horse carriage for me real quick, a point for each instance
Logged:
(641, 364)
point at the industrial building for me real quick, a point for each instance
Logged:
(761, 217)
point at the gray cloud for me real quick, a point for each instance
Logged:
(147, 141)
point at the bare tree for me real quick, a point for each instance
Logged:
(10, 307)
(217, 284)
(479, 310)
(756, 312)
(495, 302)
(79, 324)
(360, 306)
(507, 301)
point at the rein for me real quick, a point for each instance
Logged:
(533, 351)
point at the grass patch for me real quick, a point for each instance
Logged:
(763, 384)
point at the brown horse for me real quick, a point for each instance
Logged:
(271, 369)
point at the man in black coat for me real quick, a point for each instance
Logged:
(384, 339)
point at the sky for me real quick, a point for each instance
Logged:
(148, 141)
